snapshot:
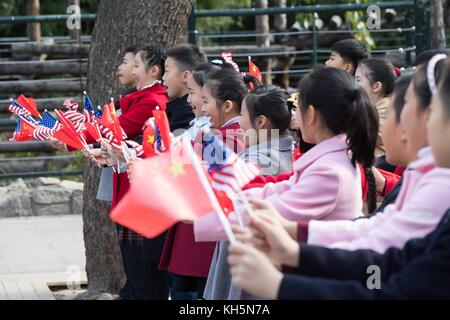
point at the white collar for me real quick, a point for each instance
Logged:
(231, 121)
(150, 85)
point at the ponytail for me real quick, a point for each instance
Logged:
(362, 137)
(371, 198)
(362, 129)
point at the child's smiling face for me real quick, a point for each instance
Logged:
(210, 109)
(195, 96)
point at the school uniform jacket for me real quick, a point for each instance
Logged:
(420, 270)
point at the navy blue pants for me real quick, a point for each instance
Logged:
(144, 280)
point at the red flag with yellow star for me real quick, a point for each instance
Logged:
(148, 141)
(253, 69)
(162, 123)
(164, 190)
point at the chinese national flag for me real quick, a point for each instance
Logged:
(106, 120)
(25, 132)
(29, 104)
(162, 123)
(148, 141)
(68, 132)
(93, 130)
(66, 137)
(164, 190)
(253, 69)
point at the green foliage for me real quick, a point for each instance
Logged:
(18, 8)
(217, 24)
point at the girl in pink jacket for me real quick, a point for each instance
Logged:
(338, 117)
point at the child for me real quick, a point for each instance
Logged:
(188, 261)
(140, 255)
(377, 77)
(347, 54)
(127, 85)
(337, 116)
(179, 64)
(419, 270)
(265, 121)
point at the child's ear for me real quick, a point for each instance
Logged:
(156, 72)
(348, 68)
(186, 75)
(261, 122)
(311, 115)
(228, 106)
(377, 87)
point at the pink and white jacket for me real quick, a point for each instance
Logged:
(325, 186)
(423, 199)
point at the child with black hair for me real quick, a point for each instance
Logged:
(377, 77)
(347, 54)
(180, 63)
(264, 122)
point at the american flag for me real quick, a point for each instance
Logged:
(98, 114)
(46, 127)
(88, 110)
(136, 147)
(17, 109)
(228, 57)
(17, 131)
(69, 104)
(229, 173)
(110, 138)
(77, 119)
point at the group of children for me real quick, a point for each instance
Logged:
(366, 185)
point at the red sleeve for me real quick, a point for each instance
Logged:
(364, 184)
(302, 231)
(133, 121)
(260, 181)
(391, 181)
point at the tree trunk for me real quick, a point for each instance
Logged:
(262, 26)
(119, 24)
(437, 25)
(33, 29)
(280, 20)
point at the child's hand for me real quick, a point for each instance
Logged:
(56, 144)
(96, 156)
(252, 271)
(130, 164)
(265, 208)
(270, 237)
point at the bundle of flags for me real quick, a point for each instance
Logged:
(156, 137)
(228, 173)
(175, 176)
